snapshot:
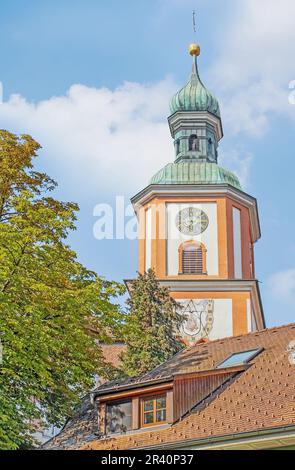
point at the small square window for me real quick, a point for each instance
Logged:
(239, 358)
(154, 410)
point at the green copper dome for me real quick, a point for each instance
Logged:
(196, 137)
(195, 173)
(194, 96)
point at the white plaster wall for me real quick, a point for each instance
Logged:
(237, 243)
(249, 316)
(148, 239)
(251, 322)
(208, 237)
(222, 318)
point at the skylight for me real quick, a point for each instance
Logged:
(239, 358)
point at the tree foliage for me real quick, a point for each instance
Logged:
(53, 311)
(150, 327)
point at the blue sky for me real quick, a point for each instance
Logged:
(92, 81)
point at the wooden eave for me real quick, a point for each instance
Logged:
(136, 392)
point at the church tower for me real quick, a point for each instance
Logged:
(197, 227)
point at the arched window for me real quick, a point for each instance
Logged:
(193, 143)
(210, 146)
(192, 258)
(177, 146)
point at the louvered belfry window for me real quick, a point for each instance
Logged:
(193, 143)
(192, 259)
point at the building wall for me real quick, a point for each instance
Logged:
(237, 242)
(227, 238)
(175, 238)
(212, 318)
(229, 256)
(148, 239)
(230, 312)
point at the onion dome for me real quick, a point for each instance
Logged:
(194, 96)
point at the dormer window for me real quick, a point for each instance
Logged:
(135, 411)
(193, 143)
(153, 410)
(240, 358)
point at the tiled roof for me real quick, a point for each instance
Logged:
(162, 372)
(80, 428)
(262, 397)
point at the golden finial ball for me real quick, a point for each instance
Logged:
(194, 49)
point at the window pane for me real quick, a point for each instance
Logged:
(161, 416)
(161, 402)
(239, 358)
(148, 418)
(148, 405)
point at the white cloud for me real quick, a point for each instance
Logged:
(239, 162)
(119, 138)
(256, 64)
(99, 137)
(107, 141)
(281, 285)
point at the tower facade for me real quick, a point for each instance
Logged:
(197, 227)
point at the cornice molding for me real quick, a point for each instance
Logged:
(182, 119)
(217, 285)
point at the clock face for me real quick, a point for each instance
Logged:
(191, 221)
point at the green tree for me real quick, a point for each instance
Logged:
(53, 311)
(150, 327)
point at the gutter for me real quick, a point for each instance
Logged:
(230, 438)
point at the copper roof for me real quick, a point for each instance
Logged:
(262, 397)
